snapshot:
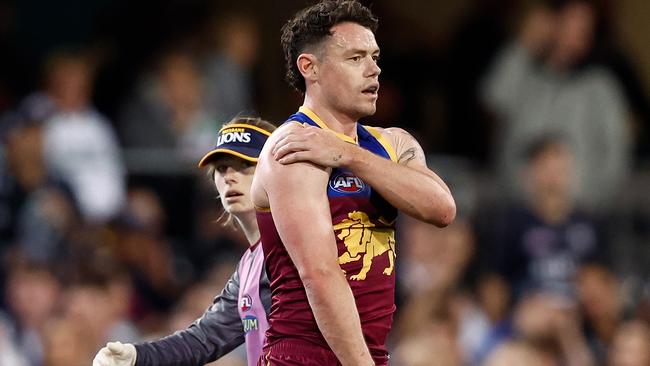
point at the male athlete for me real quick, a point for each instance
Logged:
(328, 233)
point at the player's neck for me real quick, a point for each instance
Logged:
(248, 224)
(335, 120)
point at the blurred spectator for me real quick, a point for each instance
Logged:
(613, 53)
(541, 242)
(66, 344)
(100, 302)
(436, 320)
(493, 307)
(434, 259)
(551, 325)
(601, 300)
(227, 65)
(10, 355)
(145, 209)
(33, 294)
(213, 238)
(431, 266)
(141, 246)
(38, 211)
(643, 309)
(472, 46)
(630, 346)
(544, 83)
(626, 70)
(515, 353)
(192, 305)
(434, 344)
(95, 304)
(168, 114)
(79, 145)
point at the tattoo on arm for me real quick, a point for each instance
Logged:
(413, 151)
(407, 147)
(406, 156)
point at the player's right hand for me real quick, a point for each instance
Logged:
(116, 354)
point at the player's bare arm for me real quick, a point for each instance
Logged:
(297, 196)
(408, 184)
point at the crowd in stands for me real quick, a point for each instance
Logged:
(108, 231)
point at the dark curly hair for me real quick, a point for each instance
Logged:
(312, 25)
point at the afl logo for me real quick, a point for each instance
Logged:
(347, 182)
(245, 303)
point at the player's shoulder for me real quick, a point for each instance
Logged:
(292, 123)
(288, 125)
(396, 135)
(268, 166)
(391, 130)
(386, 131)
(278, 133)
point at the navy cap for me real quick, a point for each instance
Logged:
(239, 139)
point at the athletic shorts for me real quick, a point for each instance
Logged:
(294, 352)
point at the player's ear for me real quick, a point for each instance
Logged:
(308, 66)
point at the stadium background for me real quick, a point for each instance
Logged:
(109, 232)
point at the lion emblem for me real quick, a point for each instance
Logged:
(363, 239)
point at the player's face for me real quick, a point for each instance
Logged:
(348, 73)
(233, 177)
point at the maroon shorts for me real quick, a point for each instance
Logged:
(295, 352)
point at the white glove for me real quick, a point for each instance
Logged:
(116, 354)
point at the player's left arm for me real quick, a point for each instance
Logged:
(407, 183)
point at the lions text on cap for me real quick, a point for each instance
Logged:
(234, 135)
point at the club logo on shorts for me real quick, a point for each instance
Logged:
(347, 182)
(245, 303)
(250, 323)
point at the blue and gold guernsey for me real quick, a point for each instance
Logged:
(364, 226)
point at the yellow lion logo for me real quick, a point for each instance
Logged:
(363, 239)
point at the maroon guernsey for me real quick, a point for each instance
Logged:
(363, 223)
